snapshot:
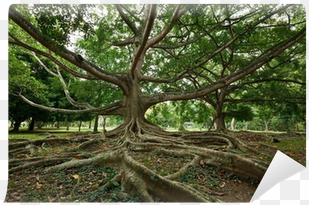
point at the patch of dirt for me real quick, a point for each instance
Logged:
(252, 137)
(290, 143)
(222, 185)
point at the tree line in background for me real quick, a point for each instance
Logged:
(276, 116)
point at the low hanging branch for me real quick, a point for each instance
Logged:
(65, 89)
(112, 109)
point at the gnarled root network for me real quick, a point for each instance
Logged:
(116, 148)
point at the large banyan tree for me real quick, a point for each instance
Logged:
(152, 54)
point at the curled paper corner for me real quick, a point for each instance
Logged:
(280, 168)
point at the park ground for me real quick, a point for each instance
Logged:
(87, 183)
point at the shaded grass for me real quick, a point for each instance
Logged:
(32, 136)
(294, 147)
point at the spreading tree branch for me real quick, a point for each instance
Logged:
(239, 86)
(66, 54)
(249, 29)
(17, 42)
(300, 101)
(126, 20)
(64, 86)
(176, 16)
(144, 39)
(256, 64)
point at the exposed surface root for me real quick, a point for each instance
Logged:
(123, 149)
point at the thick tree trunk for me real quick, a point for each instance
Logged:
(135, 107)
(220, 119)
(220, 123)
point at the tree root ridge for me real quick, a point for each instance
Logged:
(115, 149)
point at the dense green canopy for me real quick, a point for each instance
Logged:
(214, 52)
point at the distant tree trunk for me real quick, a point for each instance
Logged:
(31, 125)
(68, 126)
(233, 124)
(79, 125)
(296, 127)
(181, 128)
(213, 119)
(40, 125)
(90, 124)
(246, 126)
(266, 125)
(16, 126)
(304, 124)
(58, 124)
(96, 123)
(104, 123)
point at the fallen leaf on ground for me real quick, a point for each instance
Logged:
(21, 156)
(38, 186)
(221, 173)
(104, 174)
(75, 176)
(94, 186)
(77, 156)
